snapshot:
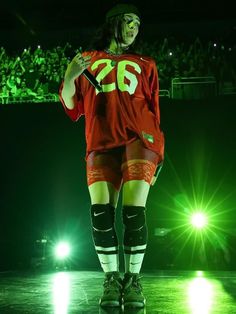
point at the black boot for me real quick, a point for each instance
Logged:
(112, 294)
(132, 291)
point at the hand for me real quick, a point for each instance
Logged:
(77, 66)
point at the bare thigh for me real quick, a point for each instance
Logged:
(103, 192)
(138, 167)
(104, 176)
(135, 193)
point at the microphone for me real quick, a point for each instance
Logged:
(89, 76)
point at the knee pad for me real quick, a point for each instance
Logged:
(134, 220)
(134, 217)
(103, 218)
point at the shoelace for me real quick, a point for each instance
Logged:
(135, 283)
(112, 282)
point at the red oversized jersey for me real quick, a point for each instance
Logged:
(128, 106)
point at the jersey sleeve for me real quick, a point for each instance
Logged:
(78, 109)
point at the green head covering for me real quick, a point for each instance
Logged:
(122, 9)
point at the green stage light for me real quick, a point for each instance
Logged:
(199, 220)
(201, 295)
(62, 250)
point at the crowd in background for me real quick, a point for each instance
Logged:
(35, 73)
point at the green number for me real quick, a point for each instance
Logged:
(103, 73)
(122, 73)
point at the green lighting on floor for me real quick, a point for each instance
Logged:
(61, 293)
(199, 273)
(200, 296)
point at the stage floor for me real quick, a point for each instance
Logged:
(173, 292)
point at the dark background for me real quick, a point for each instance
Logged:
(50, 23)
(53, 14)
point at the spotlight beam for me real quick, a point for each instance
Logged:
(199, 220)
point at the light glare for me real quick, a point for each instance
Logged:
(200, 295)
(62, 250)
(199, 220)
(61, 293)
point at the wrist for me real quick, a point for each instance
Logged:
(68, 80)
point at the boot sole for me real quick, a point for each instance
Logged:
(110, 303)
(134, 304)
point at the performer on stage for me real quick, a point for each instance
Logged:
(125, 146)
